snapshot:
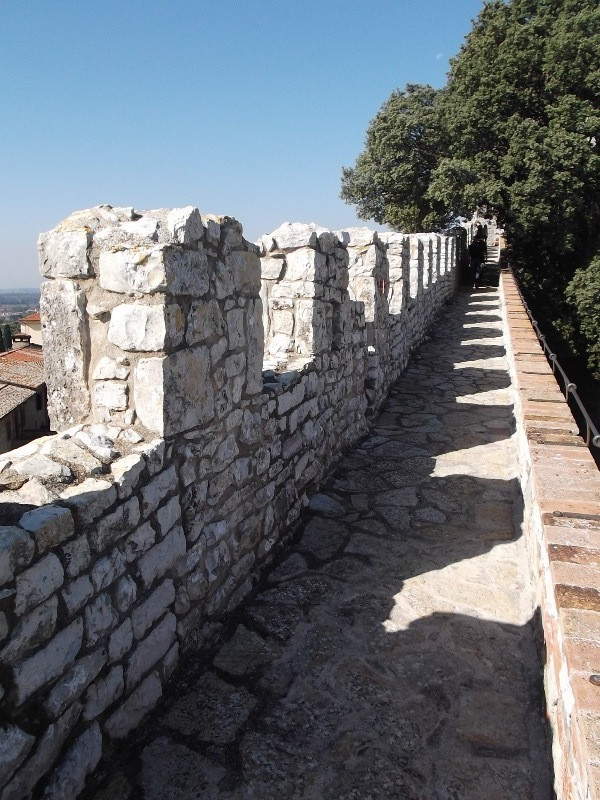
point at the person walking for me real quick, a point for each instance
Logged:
(477, 256)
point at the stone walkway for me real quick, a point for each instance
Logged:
(392, 652)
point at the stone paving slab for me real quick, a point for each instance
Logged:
(391, 653)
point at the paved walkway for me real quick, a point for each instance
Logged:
(392, 652)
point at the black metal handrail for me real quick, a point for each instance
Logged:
(592, 436)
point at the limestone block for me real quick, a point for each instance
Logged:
(153, 608)
(162, 557)
(103, 693)
(223, 279)
(135, 708)
(48, 663)
(204, 320)
(43, 468)
(138, 542)
(37, 583)
(74, 683)
(76, 594)
(68, 779)
(48, 747)
(292, 235)
(120, 642)
(109, 369)
(137, 327)
(282, 322)
(217, 350)
(235, 328)
(126, 474)
(150, 650)
(30, 631)
(98, 443)
(49, 525)
(100, 618)
(89, 499)
(69, 450)
(114, 526)
(125, 593)
(280, 343)
(76, 556)
(111, 395)
(155, 492)
(168, 515)
(185, 225)
(65, 338)
(291, 398)
(174, 393)
(16, 551)
(64, 254)
(272, 267)
(15, 744)
(245, 269)
(226, 453)
(306, 264)
(235, 364)
(162, 268)
(212, 229)
(144, 228)
(107, 569)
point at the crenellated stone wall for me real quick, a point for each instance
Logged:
(180, 462)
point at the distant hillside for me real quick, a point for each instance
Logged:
(20, 297)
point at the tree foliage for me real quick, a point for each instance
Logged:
(515, 132)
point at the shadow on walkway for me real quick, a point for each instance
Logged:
(392, 651)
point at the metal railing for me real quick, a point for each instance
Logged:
(569, 389)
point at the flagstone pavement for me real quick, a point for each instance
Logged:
(393, 650)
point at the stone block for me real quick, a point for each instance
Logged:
(108, 369)
(37, 583)
(64, 254)
(68, 779)
(70, 452)
(103, 693)
(159, 487)
(168, 515)
(162, 557)
(15, 744)
(30, 631)
(49, 746)
(43, 468)
(174, 393)
(235, 328)
(120, 642)
(66, 345)
(292, 235)
(89, 499)
(74, 683)
(153, 608)
(108, 569)
(111, 395)
(138, 328)
(138, 542)
(76, 594)
(150, 650)
(245, 269)
(271, 267)
(125, 593)
(126, 473)
(48, 663)
(76, 556)
(100, 619)
(115, 525)
(162, 268)
(135, 708)
(185, 225)
(204, 321)
(306, 264)
(16, 551)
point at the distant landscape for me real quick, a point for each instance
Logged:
(17, 303)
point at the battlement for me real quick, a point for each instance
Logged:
(202, 387)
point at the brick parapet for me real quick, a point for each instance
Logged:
(561, 491)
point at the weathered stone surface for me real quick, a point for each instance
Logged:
(76, 556)
(138, 542)
(103, 693)
(76, 594)
(44, 755)
(114, 526)
(108, 569)
(108, 369)
(100, 618)
(152, 609)
(74, 683)
(69, 779)
(48, 663)
(172, 771)
(291, 235)
(244, 652)
(162, 557)
(66, 344)
(14, 746)
(135, 708)
(126, 473)
(185, 225)
(214, 711)
(158, 268)
(43, 468)
(16, 552)
(31, 630)
(111, 395)
(156, 490)
(136, 327)
(49, 525)
(37, 583)
(125, 593)
(168, 515)
(150, 650)
(120, 642)
(64, 254)
(325, 505)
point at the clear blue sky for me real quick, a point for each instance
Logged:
(248, 108)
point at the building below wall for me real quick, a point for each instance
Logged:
(23, 408)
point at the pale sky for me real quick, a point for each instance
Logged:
(248, 108)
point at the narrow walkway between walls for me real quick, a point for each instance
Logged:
(392, 653)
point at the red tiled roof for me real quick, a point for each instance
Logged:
(21, 374)
(23, 354)
(35, 317)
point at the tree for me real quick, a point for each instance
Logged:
(390, 178)
(7, 336)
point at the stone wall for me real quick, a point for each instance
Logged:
(180, 463)
(561, 492)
